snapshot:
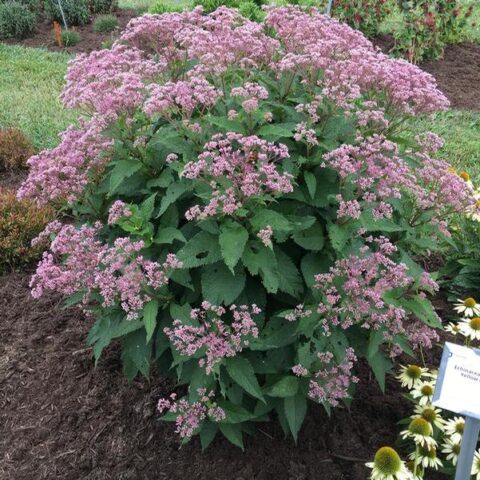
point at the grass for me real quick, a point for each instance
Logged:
(30, 83)
(144, 5)
(461, 132)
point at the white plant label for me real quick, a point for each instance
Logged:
(458, 382)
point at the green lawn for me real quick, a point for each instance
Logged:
(30, 83)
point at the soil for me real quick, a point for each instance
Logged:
(61, 418)
(45, 36)
(457, 73)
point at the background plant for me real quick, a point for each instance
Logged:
(20, 222)
(96, 7)
(105, 24)
(70, 38)
(76, 11)
(236, 210)
(16, 20)
(15, 149)
(428, 26)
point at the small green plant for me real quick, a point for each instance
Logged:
(15, 149)
(428, 27)
(20, 222)
(162, 7)
(76, 11)
(70, 38)
(16, 20)
(32, 5)
(105, 24)
(252, 11)
(102, 6)
(211, 5)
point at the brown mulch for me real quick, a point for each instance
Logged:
(457, 73)
(60, 418)
(45, 36)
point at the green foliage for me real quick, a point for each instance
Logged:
(427, 27)
(161, 7)
(32, 5)
(70, 38)
(105, 24)
(76, 11)
(102, 6)
(16, 20)
(252, 11)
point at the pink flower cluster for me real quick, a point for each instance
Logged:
(253, 92)
(117, 211)
(331, 383)
(378, 173)
(190, 415)
(63, 172)
(216, 337)
(180, 97)
(176, 63)
(355, 286)
(248, 163)
(78, 261)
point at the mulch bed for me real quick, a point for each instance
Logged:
(457, 73)
(60, 418)
(45, 36)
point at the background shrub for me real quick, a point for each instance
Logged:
(162, 7)
(16, 20)
(76, 11)
(427, 27)
(32, 5)
(70, 38)
(102, 6)
(15, 149)
(252, 11)
(20, 222)
(105, 24)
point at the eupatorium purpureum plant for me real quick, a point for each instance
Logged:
(247, 211)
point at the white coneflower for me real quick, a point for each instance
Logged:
(469, 307)
(430, 414)
(427, 457)
(423, 392)
(387, 465)
(452, 328)
(411, 375)
(420, 431)
(476, 465)
(454, 428)
(470, 327)
(452, 450)
(417, 470)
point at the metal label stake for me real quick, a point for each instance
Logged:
(458, 390)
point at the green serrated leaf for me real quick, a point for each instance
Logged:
(207, 434)
(295, 408)
(241, 371)
(150, 311)
(233, 238)
(233, 433)
(122, 170)
(311, 239)
(220, 285)
(168, 235)
(311, 182)
(286, 387)
(202, 249)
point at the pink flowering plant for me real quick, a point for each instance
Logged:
(248, 213)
